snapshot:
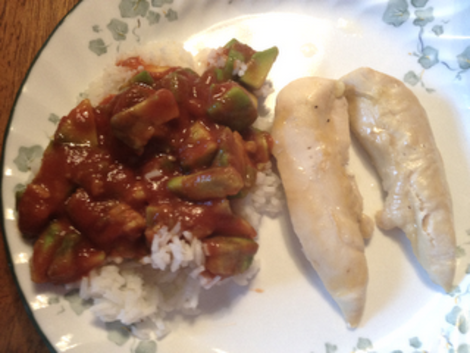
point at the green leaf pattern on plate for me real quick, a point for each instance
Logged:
(364, 344)
(419, 3)
(118, 333)
(98, 46)
(77, 304)
(429, 57)
(160, 3)
(397, 13)
(54, 118)
(130, 13)
(463, 348)
(438, 30)
(171, 15)
(411, 78)
(464, 59)
(118, 28)
(146, 347)
(460, 252)
(26, 156)
(415, 342)
(330, 348)
(153, 17)
(133, 8)
(423, 17)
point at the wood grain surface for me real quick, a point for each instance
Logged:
(24, 27)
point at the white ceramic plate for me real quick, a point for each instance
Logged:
(286, 308)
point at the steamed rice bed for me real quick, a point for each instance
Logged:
(140, 294)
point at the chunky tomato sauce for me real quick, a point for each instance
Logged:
(172, 147)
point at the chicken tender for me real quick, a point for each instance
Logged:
(393, 128)
(312, 141)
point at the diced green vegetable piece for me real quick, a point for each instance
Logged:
(211, 183)
(126, 220)
(104, 221)
(228, 256)
(136, 126)
(263, 142)
(159, 166)
(199, 147)
(219, 74)
(233, 106)
(44, 249)
(74, 258)
(63, 267)
(142, 77)
(152, 212)
(258, 67)
(230, 152)
(231, 43)
(78, 127)
(250, 176)
(179, 82)
(234, 225)
(258, 64)
(215, 75)
(233, 56)
(19, 192)
(62, 255)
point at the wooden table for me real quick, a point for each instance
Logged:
(24, 27)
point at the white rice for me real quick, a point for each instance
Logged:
(164, 53)
(140, 295)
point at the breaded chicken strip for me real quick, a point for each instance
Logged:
(393, 127)
(311, 133)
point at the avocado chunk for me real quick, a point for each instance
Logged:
(142, 77)
(44, 249)
(231, 43)
(228, 256)
(234, 55)
(78, 127)
(61, 254)
(137, 125)
(211, 183)
(180, 83)
(199, 147)
(232, 106)
(258, 64)
(74, 258)
(258, 67)
(231, 152)
(261, 144)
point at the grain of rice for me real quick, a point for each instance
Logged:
(152, 174)
(239, 68)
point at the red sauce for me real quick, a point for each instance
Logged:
(113, 198)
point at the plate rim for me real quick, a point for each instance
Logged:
(6, 136)
(19, 94)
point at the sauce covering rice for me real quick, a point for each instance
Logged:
(128, 283)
